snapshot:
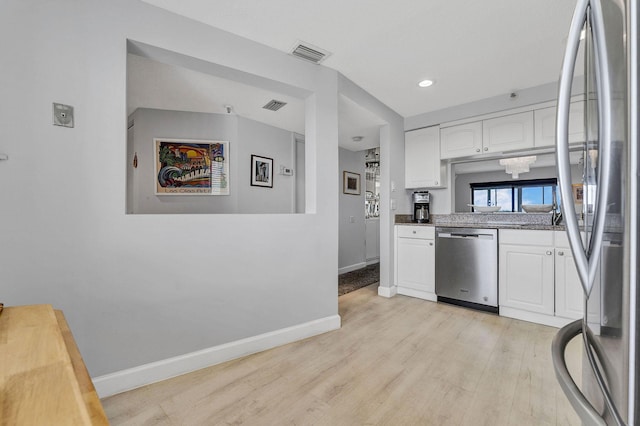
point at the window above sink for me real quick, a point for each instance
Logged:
(511, 195)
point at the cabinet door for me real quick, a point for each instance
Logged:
(569, 295)
(461, 141)
(422, 164)
(508, 133)
(545, 125)
(416, 264)
(526, 278)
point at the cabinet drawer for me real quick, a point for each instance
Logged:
(526, 237)
(423, 232)
(562, 240)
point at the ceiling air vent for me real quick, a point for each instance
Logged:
(309, 53)
(274, 105)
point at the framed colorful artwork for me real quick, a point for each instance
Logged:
(261, 171)
(351, 183)
(191, 167)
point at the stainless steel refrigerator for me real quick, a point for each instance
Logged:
(604, 232)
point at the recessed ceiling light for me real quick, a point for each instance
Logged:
(357, 138)
(426, 83)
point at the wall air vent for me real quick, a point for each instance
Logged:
(274, 105)
(309, 52)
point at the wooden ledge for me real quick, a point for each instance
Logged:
(43, 379)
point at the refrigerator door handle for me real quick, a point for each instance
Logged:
(562, 141)
(604, 95)
(586, 259)
(578, 401)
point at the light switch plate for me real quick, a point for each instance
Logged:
(62, 115)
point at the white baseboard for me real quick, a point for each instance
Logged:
(373, 261)
(350, 268)
(550, 320)
(387, 291)
(421, 294)
(131, 378)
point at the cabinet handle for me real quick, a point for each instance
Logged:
(436, 182)
(414, 232)
(549, 252)
(430, 244)
(477, 149)
(560, 253)
(486, 148)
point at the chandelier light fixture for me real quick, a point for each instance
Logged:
(515, 166)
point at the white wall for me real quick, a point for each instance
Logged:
(141, 288)
(351, 249)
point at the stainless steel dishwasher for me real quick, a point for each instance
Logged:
(467, 267)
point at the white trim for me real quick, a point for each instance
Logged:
(535, 317)
(353, 267)
(373, 261)
(131, 378)
(387, 291)
(421, 294)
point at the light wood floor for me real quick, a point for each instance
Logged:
(398, 361)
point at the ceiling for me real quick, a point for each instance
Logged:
(472, 49)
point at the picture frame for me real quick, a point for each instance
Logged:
(261, 171)
(578, 193)
(191, 167)
(351, 183)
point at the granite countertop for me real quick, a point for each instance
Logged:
(529, 221)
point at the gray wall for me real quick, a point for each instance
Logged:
(245, 136)
(351, 249)
(143, 288)
(256, 138)
(153, 123)
(392, 199)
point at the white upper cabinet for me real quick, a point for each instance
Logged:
(422, 165)
(545, 125)
(461, 141)
(508, 133)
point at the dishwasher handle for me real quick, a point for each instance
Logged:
(464, 235)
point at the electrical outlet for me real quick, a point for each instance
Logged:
(62, 115)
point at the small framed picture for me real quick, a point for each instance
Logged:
(261, 171)
(351, 183)
(578, 193)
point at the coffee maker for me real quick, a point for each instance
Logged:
(421, 206)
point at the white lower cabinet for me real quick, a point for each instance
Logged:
(538, 281)
(569, 294)
(415, 255)
(526, 273)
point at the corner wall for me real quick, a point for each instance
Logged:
(351, 251)
(138, 289)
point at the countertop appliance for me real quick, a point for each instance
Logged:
(421, 201)
(467, 267)
(607, 258)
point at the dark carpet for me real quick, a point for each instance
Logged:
(354, 280)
